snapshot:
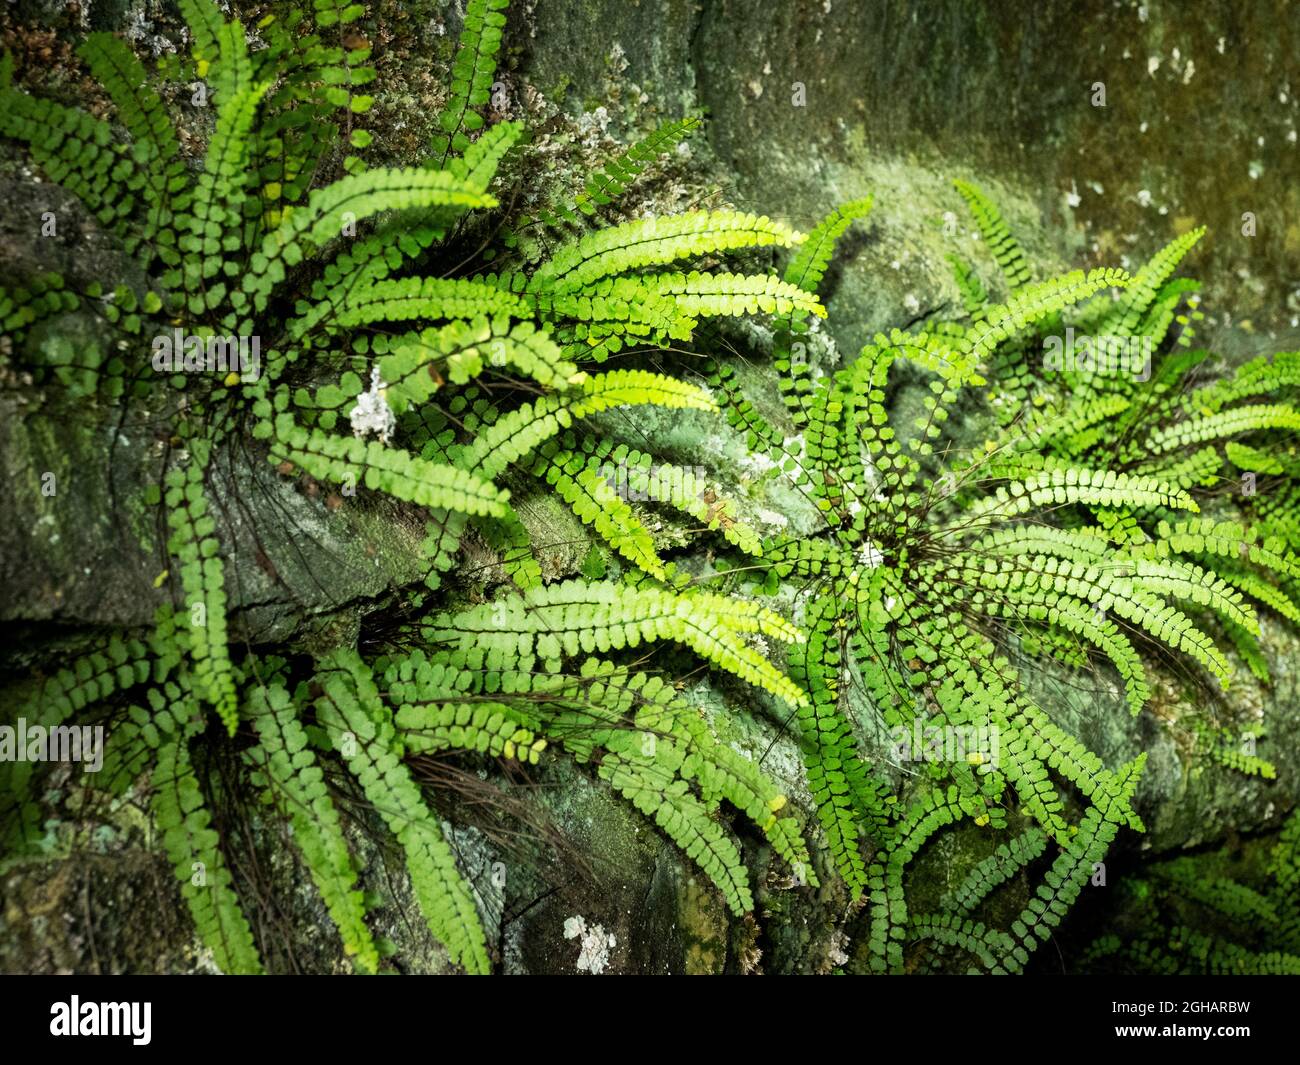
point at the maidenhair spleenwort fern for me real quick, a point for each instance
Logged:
(1187, 915)
(469, 374)
(932, 560)
(380, 366)
(504, 680)
(1120, 382)
(226, 254)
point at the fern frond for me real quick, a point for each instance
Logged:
(349, 200)
(402, 299)
(75, 151)
(295, 783)
(216, 209)
(1057, 487)
(1232, 422)
(612, 180)
(836, 771)
(809, 264)
(575, 617)
(194, 850)
(1008, 860)
(479, 165)
(342, 459)
(1004, 248)
(1033, 303)
(1258, 377)
(596, 501)
(655, 242)
(711, 295)
(1070, 871)
(516, 434)
(361, 729)
(974, 296)
(202, 578)
(654, 790)
(142, 111)
(1128, 312)
(472, 71)
(462, 350)
(483, 727)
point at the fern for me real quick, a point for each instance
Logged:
(1006, 861)
(295, 784)
(925, 563)
(202, 582)
(472, 72)
(1004, 248)
(1195, 919)
(193, 849)
(1082, 528)
(347, 272)
(1158, 425)
(361, 728)
(570, 618)
(391, 470)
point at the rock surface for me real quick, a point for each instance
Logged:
(809, 105)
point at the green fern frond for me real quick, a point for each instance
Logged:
(1127, 314)
(974, 296)
(472, 72)
(508, 536)
(217, 206)
(343, 460)
(1057, 487)
(345, 202)
(516, 434)
(361, 729)
(1069, 872)
(1004, 248)
(194, 850)
(418, 363)
(596, 500)
(295, 784)
(806, 269)
(653, 789)
(655, 242)
(142, 112)
(1008, 860)
(575, 617)
(613, 179)
(402, 299)
(1233, 422)
(202, 578)
(76, 151)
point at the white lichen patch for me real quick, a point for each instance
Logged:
(595, 944)
(757, 464)
(372, 414)
(592, 126)
(870, 555)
